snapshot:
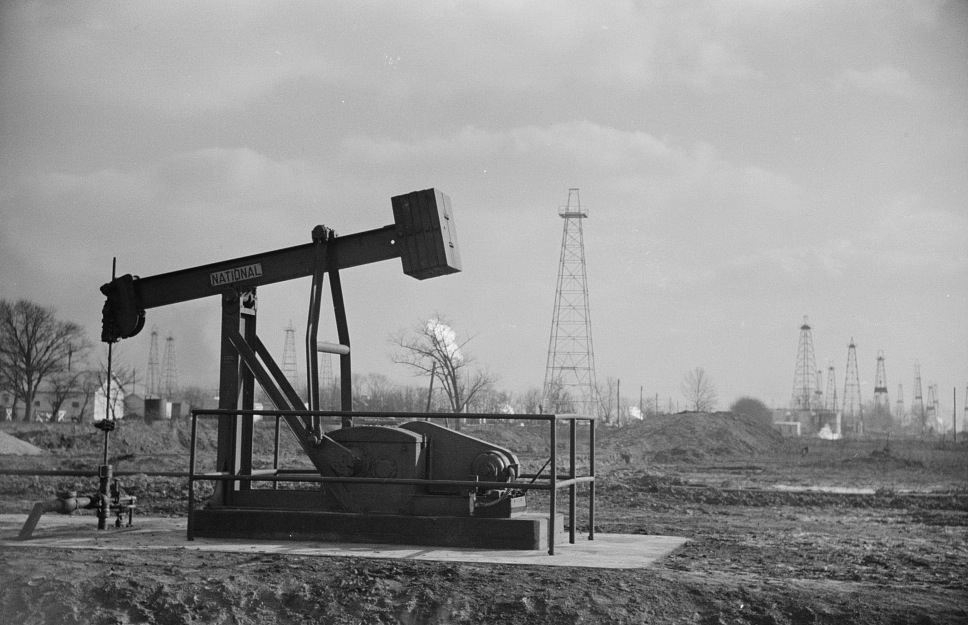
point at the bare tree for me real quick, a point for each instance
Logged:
(64, 385)
(699, 390)
(491, 400)
(557, 399)
(529, 402)
(34, 346)
(605, 393)
(373, 391)
(433, 348)
(195, 397)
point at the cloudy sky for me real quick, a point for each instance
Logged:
(743, 163)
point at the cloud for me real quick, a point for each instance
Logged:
(645, 182)
(239, 178)
(886, 80)
(224, 57)
(913, 237)
(165, 61)
(711, 66)
(69, 225)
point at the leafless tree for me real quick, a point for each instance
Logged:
(433, 348)
(557, 399)
(194, 396)
(699, 390)
(491, 400)
(605, 392)
(64, 385)
(373, 391)
(529, 402)
(34, 346)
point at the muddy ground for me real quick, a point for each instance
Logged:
(871, 531)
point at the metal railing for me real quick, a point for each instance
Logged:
(552, 482)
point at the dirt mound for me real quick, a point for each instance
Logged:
(666, 439)
(883, 459)
(691, 437)
(135, 437)
(13, 446)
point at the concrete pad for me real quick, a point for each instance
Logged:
(610, 551)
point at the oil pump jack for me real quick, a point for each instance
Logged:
(419, 477)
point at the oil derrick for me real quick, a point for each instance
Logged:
(803, 382)
(917, 408)
(831, 398)
(818, 393)
(569, 384)
(327, 392)
(853, 413)
(153, 379)
(899, 415)
(289, 357)
(882, 405)
(169, 377)
(931, 413)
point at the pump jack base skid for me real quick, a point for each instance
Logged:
(527, 531)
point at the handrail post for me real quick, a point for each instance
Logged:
(191, 478)
(591, 484)
(554, 485)
(572, 490)
(275, 454)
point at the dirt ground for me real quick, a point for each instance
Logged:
(781, 531)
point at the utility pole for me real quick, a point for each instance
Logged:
(618, 401)
(954, 414)
(964, 418)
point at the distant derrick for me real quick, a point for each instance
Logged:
(327, 389)
(170, 369)
(289, 369)
(899, 408)
(881, 419)
(818, 393)
(853, 412)
(153, 379)
(804, 386)
(831, 399)
(917, 408)
(932, 412)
